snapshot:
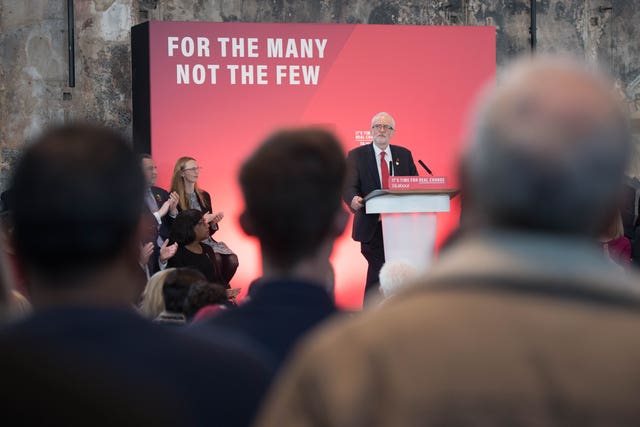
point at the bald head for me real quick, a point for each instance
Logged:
(548, 150)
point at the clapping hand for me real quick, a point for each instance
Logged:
(167, 251)
(145, 253)
(174, 199)
(218, 217)
(213, 218)
(207, 217)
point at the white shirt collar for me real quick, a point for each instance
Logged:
(377, 151)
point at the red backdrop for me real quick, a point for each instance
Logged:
(425, 77)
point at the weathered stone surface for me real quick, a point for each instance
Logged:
(32, 63)
(33, 46)
(561, 27)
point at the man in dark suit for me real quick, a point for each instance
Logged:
(81, 261)
(162, 208)
(296, 237)
(369, 167)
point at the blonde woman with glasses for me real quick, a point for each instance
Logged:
(185, 182)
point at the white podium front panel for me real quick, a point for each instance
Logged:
(409, 237)
(409, 223)
(408, 203)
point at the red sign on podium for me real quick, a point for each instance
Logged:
(418, 183)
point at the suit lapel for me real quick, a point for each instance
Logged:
(394, 159)
(372, 167)
(400, 165)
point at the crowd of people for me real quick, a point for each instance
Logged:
(117, 305)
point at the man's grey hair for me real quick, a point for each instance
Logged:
(383, 114)
(548, 150)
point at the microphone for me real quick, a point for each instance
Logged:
(390, 168)
(425, 167)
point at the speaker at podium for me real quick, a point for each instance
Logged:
(408, 210)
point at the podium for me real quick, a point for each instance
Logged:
(409, 222)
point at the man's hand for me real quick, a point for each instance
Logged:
(145, 253)
(167, 251)
(357, 203)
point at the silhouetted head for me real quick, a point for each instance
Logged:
(291, 187)
(202, 294)
(78, 203)
(176, 288)
(548, 150)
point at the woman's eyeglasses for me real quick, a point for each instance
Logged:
(195, 169)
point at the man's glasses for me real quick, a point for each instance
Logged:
(195, 169)
(380, 127)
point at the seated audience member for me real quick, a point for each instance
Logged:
(395, 275)
(174, 294)
(152, 302)
(521, 320)
(76, 232)
(204, 294)
(175, 290)
(615, 244)
(185, 184)
(296, 238)
(162, 207)
(188, 231)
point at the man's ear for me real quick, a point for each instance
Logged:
(340, 220)
(246, 223)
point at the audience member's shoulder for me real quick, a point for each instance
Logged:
(160, 190)
(341, 327)
(80, 394)
(210, 333)
(354, 331)
(358, 151)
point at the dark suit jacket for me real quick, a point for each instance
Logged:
(363, 178)
(161, 195)
(278, 314)
(209, 383)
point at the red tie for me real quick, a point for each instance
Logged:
(384, 171)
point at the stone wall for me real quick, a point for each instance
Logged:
(33, 46)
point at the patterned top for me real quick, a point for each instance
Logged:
(218, 247)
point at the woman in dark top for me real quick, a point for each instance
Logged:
(189, 229)
(185, 183)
